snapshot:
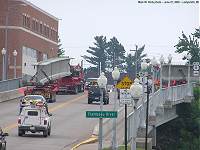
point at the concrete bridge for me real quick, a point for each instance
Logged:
(162, 108)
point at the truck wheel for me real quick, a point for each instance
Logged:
(75, 90)
(45, 133)
(49, 131)
(20, 132)
(89, 101)
(82, 88)
(54, 97)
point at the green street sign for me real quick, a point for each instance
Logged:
(101, 114)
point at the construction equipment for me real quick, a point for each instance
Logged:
(44, 82)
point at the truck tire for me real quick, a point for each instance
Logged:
(81, 88)
(45, 133)
(89, 101)
(21, 132)
(76, 90)
(49, 131)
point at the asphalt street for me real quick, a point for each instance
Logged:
(69, 124)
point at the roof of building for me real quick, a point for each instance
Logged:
(39, 9)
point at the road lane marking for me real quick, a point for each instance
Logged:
(92, 139)
(52, 109)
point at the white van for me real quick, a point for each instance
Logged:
(34, 119)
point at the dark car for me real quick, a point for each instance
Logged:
(2, 140)
(94, 94)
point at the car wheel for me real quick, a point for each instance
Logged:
(45, 133)
(21, 132)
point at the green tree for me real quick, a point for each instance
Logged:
(61, 51)
(135, 60)
(98, 53)
(116, 53)
(183, 132)
(190, 45)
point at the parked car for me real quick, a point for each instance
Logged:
(2, 139)
(94, 94)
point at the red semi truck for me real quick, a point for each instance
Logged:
(73, 83)
(56, 75)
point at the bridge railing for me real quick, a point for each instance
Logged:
(137, 118)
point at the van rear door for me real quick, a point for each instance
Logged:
(32, 117)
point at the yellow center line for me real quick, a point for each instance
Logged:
(52, 109)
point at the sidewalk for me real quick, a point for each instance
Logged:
(107, 140)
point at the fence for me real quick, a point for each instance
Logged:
(8, 85)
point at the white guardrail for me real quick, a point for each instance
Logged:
(175, 94)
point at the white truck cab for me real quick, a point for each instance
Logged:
(34, 118)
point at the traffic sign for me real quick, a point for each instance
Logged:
(125, 83)
(196, 68)
(101, 114)
(125, 97)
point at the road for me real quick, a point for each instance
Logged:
(69, 124)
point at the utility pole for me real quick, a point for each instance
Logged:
(136, 59)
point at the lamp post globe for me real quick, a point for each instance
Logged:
(15, 53)
(3, 51)
(154, 61)
(115, 74)
(102, 80)
(144, 65)
(169, 58)
(162, 60)
(136, 89)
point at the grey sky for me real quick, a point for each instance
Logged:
(158, 26)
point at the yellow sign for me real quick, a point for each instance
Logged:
(125, 83)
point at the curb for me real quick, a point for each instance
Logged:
(92, 139)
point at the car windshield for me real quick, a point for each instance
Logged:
(32, 97)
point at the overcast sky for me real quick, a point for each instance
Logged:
(158, 26)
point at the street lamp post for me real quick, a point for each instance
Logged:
(188, 78)
(136, 59)
(3, 51)
(136, 92)
(144, 66)
(169, 75)
(102, 81)
(161, 65)
(154, 64)
(115, 76)
(15, 55)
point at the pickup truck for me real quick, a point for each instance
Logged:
(95, 95)
(34, 118)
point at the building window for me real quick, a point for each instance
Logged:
(24, 20)
(41, 28)
(37, 26)
(33, 25)
(47, 31)
(28, 22)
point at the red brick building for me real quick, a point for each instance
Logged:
(29, 30)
